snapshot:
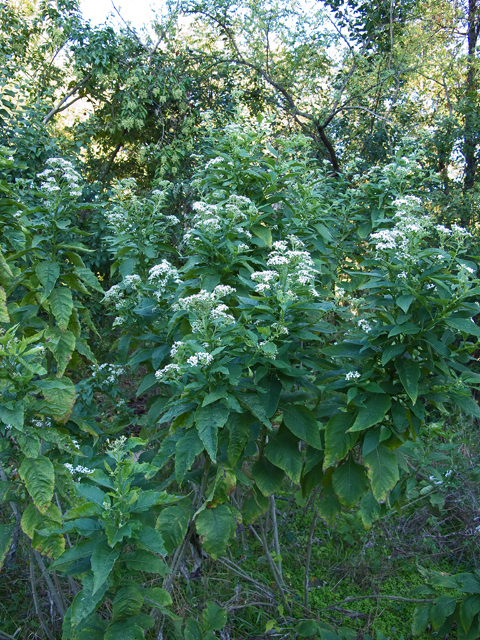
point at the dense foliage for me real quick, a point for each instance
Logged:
(237, 268)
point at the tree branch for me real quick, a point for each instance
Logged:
(59, 106)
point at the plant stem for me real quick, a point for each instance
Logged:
(273, 507)
(48, 633)
(56, 597)
(309, 557)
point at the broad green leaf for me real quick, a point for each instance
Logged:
(59, 398)
(349, 481)
(444, 606)
(466, 404)
(328, 505)
(61, 304)
(263, 233)
(62, 350)
(307, 628)
(91, 493)
(215, 527)
(32, 520)
(124, 630)
(188, 447)
(369, 509)
(208, 421)
(302, 423)
(468, 610)
(92, 628)
(127, 603)
(39, 478)
(103, 559)
(12, 413)
(421, 619)
(6, 537)
(338, 439)
(192, 630)
(268, 477)
(269, 400)
(404, 302)
(282, 451)
(117, 534)
(465, 325)
(146, 500)
(85, 602)
(141, 560)
(409, 374)
(89, 278)
(377, 405)
(392, 352)
(254, 506)
(382, 470)
(323, 231)
(214, 617)
(80, 550)
(48, 273)
(151, 540)
(157, 597)
(213, 396)
(254, 404)
(239, 431)
(173, 524)
(4, 317)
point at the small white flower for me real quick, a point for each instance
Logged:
(352, 375)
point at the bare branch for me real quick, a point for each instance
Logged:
(59, 106)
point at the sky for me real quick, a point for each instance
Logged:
(137, 12)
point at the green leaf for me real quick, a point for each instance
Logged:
(208, 421)
(173, 524)
(89, 278)
(404, 302)
(48, 273)
(282, 451)
(349, 482)
(468, 610)
(146, 499)
(465, 325)
(62, 350)
(443, 608)
(127, 603)
(338, 439)
(39, 478)
(369, 509)
(192, 630)
(85, 602)
(254, 404)
(268, 477)
(6, 537)
(421, 618)
(323, 231)
(103, 559)
(328, 505)
(239, 432)
(302, 423)
(12, 413)
(269, 400)
(92, 628)
(215, 528)
(392, 352)
(263, 233)
(214, 617)
(59, 396)
(409, 374)
(382, 470)
(4, 317)
(254, 506)
(377, 405)
(157, 597)
(187, 448)
(91, 493)
(124, 630)
(151, 540)
(466, 404)
(307, 628)
(141, 560)
(61, 304)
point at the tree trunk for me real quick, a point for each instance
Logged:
(470, 134)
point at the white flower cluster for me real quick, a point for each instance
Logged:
(293, 270)
(364, 325)
(83, 471)
(201, 359)
(161, 275)
(209, 219)
(352, 375)
(167, 372)
(113, 296)
(109, 373)
(132, 281)
(59, 175)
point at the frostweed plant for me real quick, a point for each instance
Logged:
(60, 179)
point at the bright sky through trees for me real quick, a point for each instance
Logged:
(137, 12)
